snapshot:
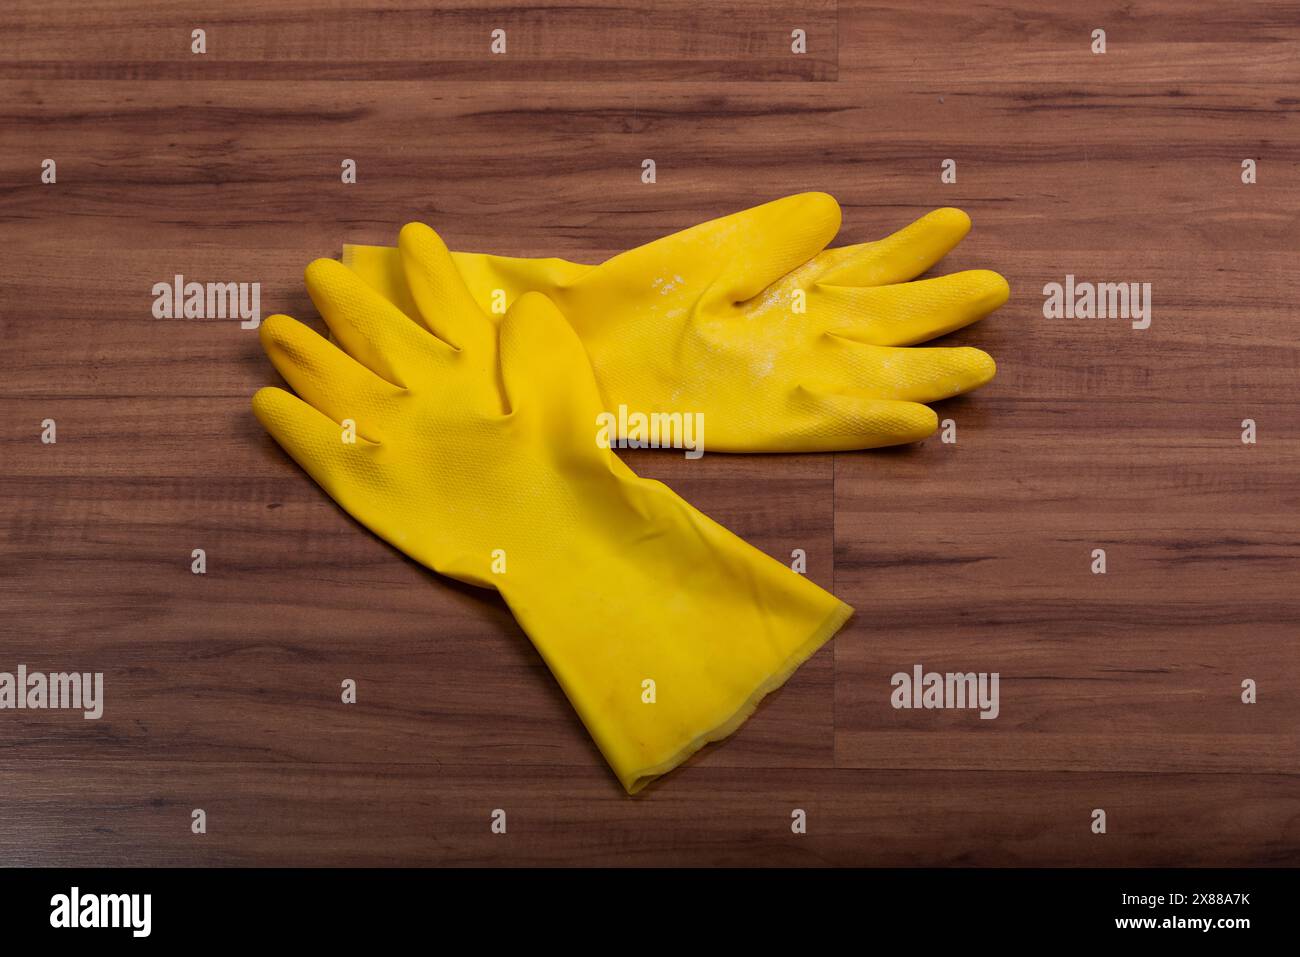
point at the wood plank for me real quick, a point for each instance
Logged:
(406, 815)
(1137, 669)
(406, 40)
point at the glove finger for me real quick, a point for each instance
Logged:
(735, 257)
(444, 302)
(323, 374)
(912, 375)
(838, 422)
(898, 257)
(314, 441)
(768, 241)
(546, 371)
(370, 328)
(380, 268)
(905, 313)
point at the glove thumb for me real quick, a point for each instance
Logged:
(445, 304)
(546, 373)
(768, 241)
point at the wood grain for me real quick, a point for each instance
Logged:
(1118, 691)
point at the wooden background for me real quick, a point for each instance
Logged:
(1118, 692)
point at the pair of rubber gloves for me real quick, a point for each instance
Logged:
(469, 441)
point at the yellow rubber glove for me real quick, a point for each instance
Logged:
(480, 461)
(707, 321)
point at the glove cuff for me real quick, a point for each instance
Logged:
(666, 630)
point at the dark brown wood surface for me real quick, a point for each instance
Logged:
(1119, 692)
